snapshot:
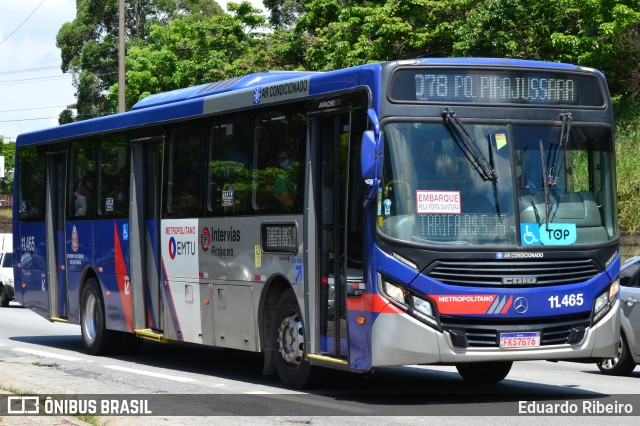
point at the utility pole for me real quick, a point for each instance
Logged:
(121, 83)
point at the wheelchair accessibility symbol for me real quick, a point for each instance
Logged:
(530, 234)
(529, 238)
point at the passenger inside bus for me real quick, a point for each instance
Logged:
(33, 209)
(81, 196)
(285, 187)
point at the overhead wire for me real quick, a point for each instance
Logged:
(26, 70)
(23, 22)
(33, 109)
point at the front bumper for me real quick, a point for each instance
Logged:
(399, 339)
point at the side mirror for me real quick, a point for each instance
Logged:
(368, 155)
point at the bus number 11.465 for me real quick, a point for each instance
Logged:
(567, 300)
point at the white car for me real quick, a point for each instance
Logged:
(7, 290)
(629, 348)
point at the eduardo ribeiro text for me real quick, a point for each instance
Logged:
(578, 407)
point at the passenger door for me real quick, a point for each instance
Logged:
(338, 228)
(146, 275)
(55, 235)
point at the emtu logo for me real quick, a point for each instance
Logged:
(173, 248)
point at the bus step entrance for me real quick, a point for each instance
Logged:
(149, 334)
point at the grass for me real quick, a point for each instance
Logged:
(628, 173)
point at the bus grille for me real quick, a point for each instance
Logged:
(513, 274)
(479, 335)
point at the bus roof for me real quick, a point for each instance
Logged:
(229, 85)
(193, 101)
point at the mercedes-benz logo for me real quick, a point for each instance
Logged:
(521, 305)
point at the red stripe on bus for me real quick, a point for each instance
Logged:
(124, 285)
(508, 304)
(372, 303)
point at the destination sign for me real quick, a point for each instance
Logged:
(496, 86)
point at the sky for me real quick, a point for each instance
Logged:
(33, 89)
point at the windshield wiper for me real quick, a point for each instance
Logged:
(492, 164)
(469, 146)
(545, 184)
(565, 130)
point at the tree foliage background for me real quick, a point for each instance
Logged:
(177, 43)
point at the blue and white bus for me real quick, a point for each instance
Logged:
(430, 211)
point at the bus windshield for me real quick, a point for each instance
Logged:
(485, 184)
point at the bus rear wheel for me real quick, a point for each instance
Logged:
(288, 342)
(484, 372)
(95, 336)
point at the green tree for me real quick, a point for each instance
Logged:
(8, 150)
(190, 51)
(66, 116)
(585, 32)
(89, 44)
(284, 13)
(178, 43)
(330, 34)
(335, 34)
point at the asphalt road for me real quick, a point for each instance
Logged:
(202, 385)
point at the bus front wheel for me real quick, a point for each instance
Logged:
(484, 372)
(95, 336)
(288, 342)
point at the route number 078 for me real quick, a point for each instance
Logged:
(567, 300)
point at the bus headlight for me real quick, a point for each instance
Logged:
(424, 311)
(422, 306)
(414, 305)
(395, 292)
(605, 301)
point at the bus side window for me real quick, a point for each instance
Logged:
(82, 180)
(185, 164)
(31, 188)
(113, 177)
(229, 177)
(279, 153)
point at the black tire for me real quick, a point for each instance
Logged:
(95, 336)
(288, 343)
(4, 298)
(484, 372)
(622, 365)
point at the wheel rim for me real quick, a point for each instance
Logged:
(291, 339)
(609, 363)
(89, 320)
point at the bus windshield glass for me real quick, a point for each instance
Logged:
(435, 192)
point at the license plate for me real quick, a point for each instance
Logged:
(520, 340)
